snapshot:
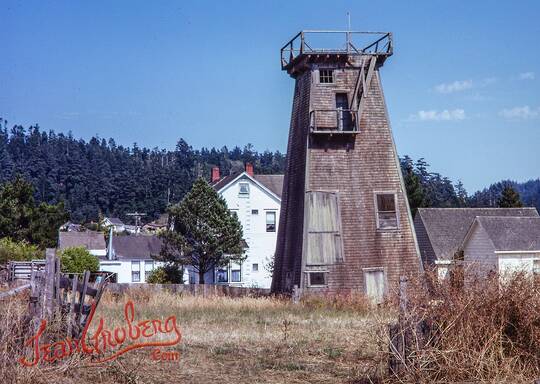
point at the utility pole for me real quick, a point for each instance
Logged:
(137, 217)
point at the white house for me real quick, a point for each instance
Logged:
(502, 245)
(115, 223)
(256, 199)
(131, 258)
(94, 242)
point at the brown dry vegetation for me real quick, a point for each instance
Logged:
(241, 340)
(488, 333)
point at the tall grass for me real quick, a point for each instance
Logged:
(485, 331)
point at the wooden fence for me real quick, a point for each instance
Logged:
(191, 289)
(22, 270)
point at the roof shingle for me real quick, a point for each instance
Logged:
(87, 239)
(512, 233)
(447, 227)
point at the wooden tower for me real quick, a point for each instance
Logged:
(345, 223)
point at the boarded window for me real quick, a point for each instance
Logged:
(324, 238)
(386, 211)
(374, 285)
(316, 278)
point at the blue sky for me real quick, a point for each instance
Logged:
(462, 87)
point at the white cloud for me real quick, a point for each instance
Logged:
(488, 81)
(434, 115)
(527, 76)
(456, 86)
(520, 113)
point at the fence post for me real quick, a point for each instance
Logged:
(50, 271)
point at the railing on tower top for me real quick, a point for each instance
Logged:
(336, 42)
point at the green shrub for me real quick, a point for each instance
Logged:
(167, 274)
(78, 260)
(18, 251)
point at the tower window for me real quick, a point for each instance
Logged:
(386, 211)
(254, 211)
(255, 267)
(316, 279)
(326, 76)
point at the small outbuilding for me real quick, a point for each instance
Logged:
(502, 245)
(93, 241)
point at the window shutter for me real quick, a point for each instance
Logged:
(324, 238)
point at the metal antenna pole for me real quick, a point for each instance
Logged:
(348, 30)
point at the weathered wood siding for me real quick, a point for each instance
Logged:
(355, 167)
(287, 266)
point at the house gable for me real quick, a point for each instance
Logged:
(479, 252)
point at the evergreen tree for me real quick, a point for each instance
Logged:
(415, 194)
(509, 198)
(205, 235)
(22, 220)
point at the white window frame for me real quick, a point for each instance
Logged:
(245, 192)
(332, 76)
(147, 263)
(133, 270)
(266, 220)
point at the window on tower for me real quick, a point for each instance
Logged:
(386, 211)
(326, 76)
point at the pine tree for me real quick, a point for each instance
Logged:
(415, 193)
(509, 198)
(206, 235)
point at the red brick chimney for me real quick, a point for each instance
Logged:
(215, 174)
(249, 169)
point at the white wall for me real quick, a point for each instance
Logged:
(261, 244)
(479, 253)
(122, 268)
(517, 262)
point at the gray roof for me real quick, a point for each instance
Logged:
(273, 182)
(115, 220)
(512, 233)
(87, 239)
(136, 247)
(447, 227)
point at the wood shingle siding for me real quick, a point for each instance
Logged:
(352, 167)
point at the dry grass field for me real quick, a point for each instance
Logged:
(241, 340)
(487, 333)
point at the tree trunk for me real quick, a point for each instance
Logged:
(201, 277)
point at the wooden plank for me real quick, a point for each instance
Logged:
(15, 291)
(48, 296)
(71, 311)
(57, 280)
(82, 297)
